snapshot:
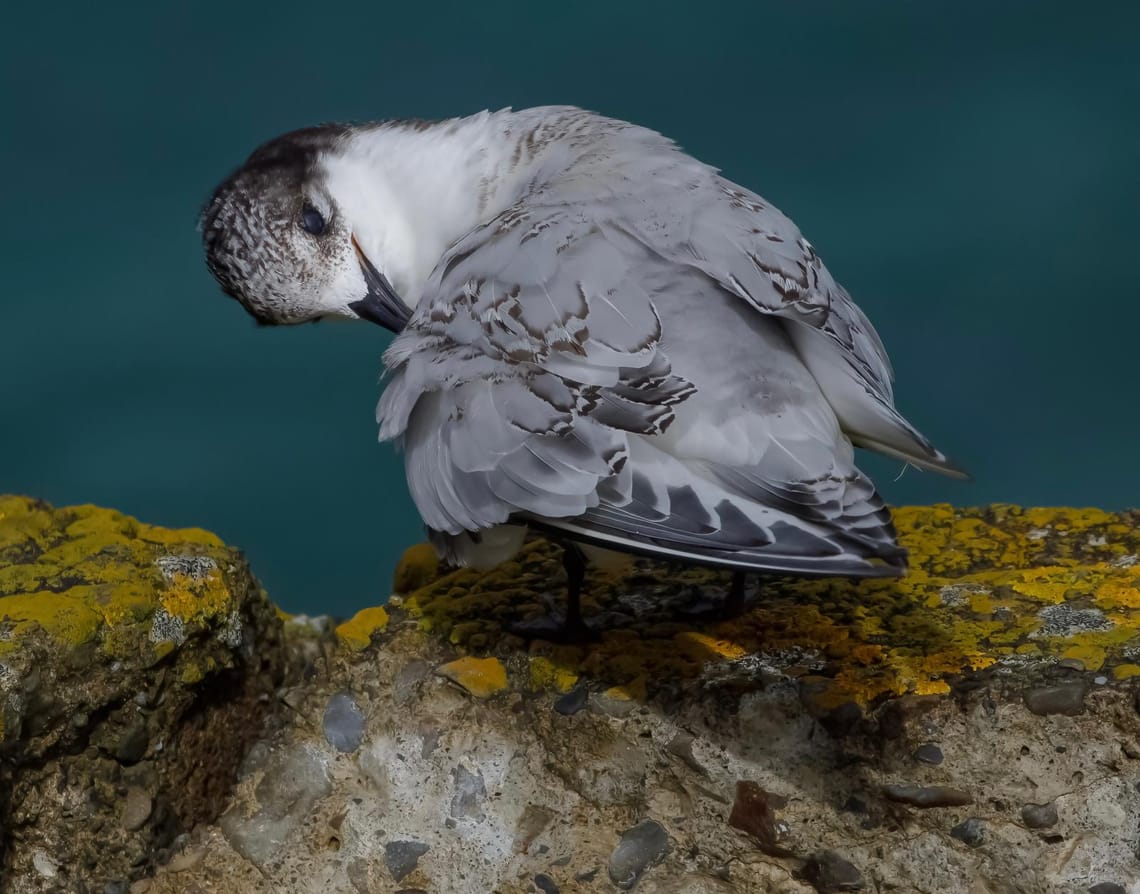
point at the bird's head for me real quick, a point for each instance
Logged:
(280, 240)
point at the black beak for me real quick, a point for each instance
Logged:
(381, 305)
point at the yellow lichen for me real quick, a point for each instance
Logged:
(546, 675)
(634, 690)
(67, 617)
(981, 603)
(482, 677)
(1122, 591)
(980, 585)
(931, 687)
(418, 565)
(357, 631)
(164, 648)
(192, 673)
(1091, 657)
(691, 641)
(81, 573)
(187, 598)
(177, 536)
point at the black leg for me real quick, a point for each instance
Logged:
(734, 603)
(573, 629)
(574, 561)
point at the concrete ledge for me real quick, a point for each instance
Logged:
(972, 728)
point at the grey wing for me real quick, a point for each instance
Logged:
(517, 379)
(532, 382)
(697, 218)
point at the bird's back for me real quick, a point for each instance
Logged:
(643, 354)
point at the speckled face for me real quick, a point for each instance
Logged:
(274, 238)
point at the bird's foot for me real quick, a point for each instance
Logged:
(555, 629)
(704, 606)
(736, 602)
(699, 606)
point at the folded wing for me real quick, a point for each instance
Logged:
(699, 220)
(533, 382)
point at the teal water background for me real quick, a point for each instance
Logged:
(969, 171)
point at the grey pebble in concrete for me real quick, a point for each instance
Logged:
(344, 723)
(1039, 816)
(401, 857)
(641, 847)
(829, 872)
(971, 832)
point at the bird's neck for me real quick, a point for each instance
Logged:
(409, 191)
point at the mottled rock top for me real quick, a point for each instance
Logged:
(82, 574)
(971, 727)
(136, 666)
(1000, 590)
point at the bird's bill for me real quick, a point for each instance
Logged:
(381, 305)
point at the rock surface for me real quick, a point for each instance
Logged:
(789, 750)
(136, 664)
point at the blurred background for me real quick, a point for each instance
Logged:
(967, 170)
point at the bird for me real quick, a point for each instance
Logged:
(597, 336)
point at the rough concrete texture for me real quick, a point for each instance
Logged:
(972, 728)
(135, 666)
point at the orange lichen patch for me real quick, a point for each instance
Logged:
(1126, 671)
(482, 677)
(986, 585)
(357, 631)
(187, 597)
(693, 642)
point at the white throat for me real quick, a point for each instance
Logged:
(409, 192)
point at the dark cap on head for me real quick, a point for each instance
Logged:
(247, 224)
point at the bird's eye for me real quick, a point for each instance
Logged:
(312, 221)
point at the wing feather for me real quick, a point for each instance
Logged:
(753, 251)
(535, 378)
